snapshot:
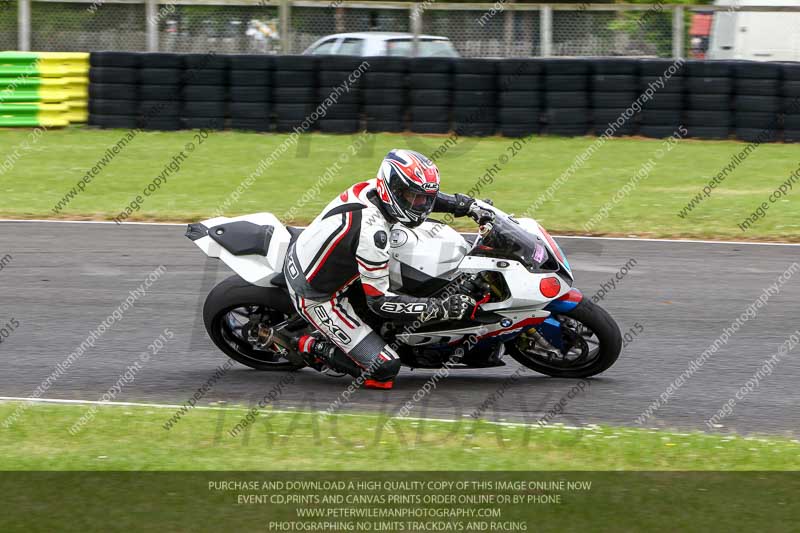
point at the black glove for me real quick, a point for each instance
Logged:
(480, 215)
(462, 205)
(453, 307)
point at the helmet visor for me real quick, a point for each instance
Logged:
(415, 203)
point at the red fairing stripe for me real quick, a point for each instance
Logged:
(573, 295)
(369, 290)
(552, 243)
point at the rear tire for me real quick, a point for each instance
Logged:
(235, 293)
(596, 319)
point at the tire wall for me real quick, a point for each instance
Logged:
(750, 101)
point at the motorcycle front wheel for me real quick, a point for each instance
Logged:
(591, 343)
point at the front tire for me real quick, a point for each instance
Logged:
(233, 311)
(585, 356)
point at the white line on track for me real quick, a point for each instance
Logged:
(587, 237)
(244, 409)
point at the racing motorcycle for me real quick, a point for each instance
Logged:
(527, 307)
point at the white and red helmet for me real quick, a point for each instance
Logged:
(407, 185)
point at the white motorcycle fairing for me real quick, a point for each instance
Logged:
(254, 246)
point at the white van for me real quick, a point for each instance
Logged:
(756, 35)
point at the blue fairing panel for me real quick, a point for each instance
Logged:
(566, 303)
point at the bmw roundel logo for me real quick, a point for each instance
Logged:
(506, 322)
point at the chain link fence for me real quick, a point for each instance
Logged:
(612, 33)
(8, 24)
(73, 27)
(225, 29)
(501, 29)
(482, 33)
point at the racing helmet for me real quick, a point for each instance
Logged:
(407, 185)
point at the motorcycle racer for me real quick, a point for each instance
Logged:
(348, 242)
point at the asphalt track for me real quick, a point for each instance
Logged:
(64, 279)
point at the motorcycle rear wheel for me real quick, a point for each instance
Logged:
(586, 357)
(231, 310)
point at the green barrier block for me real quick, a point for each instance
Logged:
(11, 84)
(32, 122)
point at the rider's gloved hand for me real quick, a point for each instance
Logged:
(480, 215)
(454, 307)
(463, 204)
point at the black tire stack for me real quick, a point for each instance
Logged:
(205, 91)
(615, 86)
(757, 103)
(566, 85)
(384, 85)
(160, 96)
(340, 82)
(429, 95)
(519, 96)
(790, 91)
(114, 89)
(662, 112)
(249, 92)
(474, 111)
(294, 92)
(709, 88)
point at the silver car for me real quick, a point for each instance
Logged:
(378, 43)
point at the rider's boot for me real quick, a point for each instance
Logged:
(322, 353)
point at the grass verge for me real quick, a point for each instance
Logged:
(123, 438)
(45, 169)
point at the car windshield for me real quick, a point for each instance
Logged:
(427, 48)
(510, 241)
